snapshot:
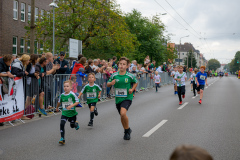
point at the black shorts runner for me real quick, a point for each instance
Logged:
(124, 104)
(70, 119)
(92, 104)
(200, 87)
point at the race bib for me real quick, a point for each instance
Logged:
(91, 95)
(66, 104)
(202, 77)
(121, 92)
(157, 80)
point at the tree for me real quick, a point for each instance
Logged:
(234, 65)
(99, 25)
(190, 60)
(213, 64)
(149, 33)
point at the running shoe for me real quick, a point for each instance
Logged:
(42, 111)
(180, 103)
(76, 125)
(183, 96)
(90, 123)
(200, 101)
(62, 141)
(194, 95)
(95, 112)
(133, 95)
(79, 105)
(176, 92)
(127, 134)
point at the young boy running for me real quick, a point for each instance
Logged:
(201, 79)
(123, 92)
(194, 82)
(174, 81)
(180, 77)
(157, 79)
(93, 93)
(69, 102)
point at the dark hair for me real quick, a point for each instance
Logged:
(114, 58)
(80, 56)
(83, 60)
(7, 57)
(190, 153)
(43, 59)
(125, 59)
(89, 63)
(33, 58)
(73, 77)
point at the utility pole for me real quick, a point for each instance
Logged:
(32, 26)
(191, 56)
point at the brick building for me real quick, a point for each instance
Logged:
(14, 16)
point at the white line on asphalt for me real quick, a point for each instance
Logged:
(149, 133)
(206, 87)
(183, 105)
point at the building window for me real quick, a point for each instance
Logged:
(22, 45)
(23, 6)
(28, 46)
(182, 53)
(41, 47)
(35, 47)
(14, 45)
(15, 10)
(42, 13)
(29, 13)
(36, 14)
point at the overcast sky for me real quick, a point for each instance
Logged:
(215, 24)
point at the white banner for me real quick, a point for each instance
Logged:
(75, 48)
(12, 104)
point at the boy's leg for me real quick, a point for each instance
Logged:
(124, 118)
(73, 123)
(183, 90)
(62, 125)
(179, 93)
(194, 88)
(156, 86)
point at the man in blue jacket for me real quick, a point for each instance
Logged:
(64, 65)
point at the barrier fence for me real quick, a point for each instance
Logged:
(44, 92)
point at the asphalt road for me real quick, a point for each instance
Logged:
(213, 125)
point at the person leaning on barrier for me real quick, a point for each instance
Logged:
(64, 65)
(50, 67)
(189, 152)
(18, 66)
(5, 63)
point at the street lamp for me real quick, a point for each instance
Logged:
(180, 49)
(54, 5)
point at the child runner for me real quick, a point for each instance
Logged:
(194, 82)
(69, 102)
(180, 77)
(201, 79)
(174, 81)
(93, 93)
(123, 92)
(157, 79)
(191, 78)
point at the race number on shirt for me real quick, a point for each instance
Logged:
(66, 104)
(157, 80)
(202, 77)
(91, 95)
(121, 92)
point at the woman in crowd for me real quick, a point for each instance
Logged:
(89, 69)
(19, 66)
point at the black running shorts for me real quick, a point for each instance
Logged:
(124, 104)
(200, 87)
(92, 104)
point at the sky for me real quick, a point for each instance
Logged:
(213, 26)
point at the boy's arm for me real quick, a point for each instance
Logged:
(58, 104)
(99, 94)
(73, 105)
(133, 88)
(206, 81)
(80, 94)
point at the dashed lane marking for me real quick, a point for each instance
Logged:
(154, 129)
(183, 105)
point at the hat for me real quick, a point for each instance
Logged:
(62, 53)
(55, 54)
(81, 69)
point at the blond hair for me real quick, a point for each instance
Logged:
(68, 81)
(48, 55)
(24, 58)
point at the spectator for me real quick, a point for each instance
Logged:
(152, 66)
(41, 70)
(99, 63)
(164, 67)
(114, 65)
(64, 65)
(74, 85)
(188, 152)
(159, 69)
(43, 54)
(147, 60)
(79, 64)
(80, 78)
(89, 67)
(55, 56)
(18, 67)
(32, 82)
(97, 70)
(134, 64)
(5, 63)
(50, 67)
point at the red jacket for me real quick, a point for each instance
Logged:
(76, 67)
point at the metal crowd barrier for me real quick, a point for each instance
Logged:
(46, 90)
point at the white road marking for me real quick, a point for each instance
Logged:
(183, 105)
(149, 133)
(206, 87)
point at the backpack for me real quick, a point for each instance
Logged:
(29, 111)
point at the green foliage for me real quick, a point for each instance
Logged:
(99, 25)
(233, 65)
(192, 62)
(149, 33)
(213, 64)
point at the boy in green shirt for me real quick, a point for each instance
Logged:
(123, 92)
(93, 93)
(69, 102)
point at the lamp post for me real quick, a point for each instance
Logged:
(54, 5)
(180, 49)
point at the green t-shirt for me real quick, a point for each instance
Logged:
(67, 100)
(122, 86)
(92, 92)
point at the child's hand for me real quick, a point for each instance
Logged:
(57, 110)
(69, 107)
(79, 97)
(130, 91)
(113, 82)
(99, 96)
